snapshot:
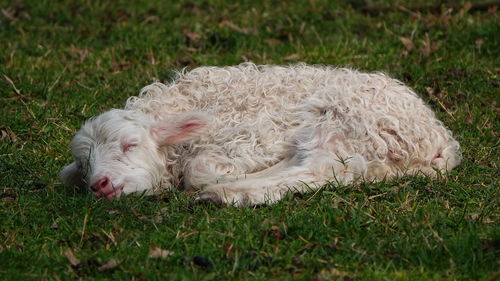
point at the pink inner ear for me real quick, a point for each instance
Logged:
(184, 133)
(180, 132)
(190, 126)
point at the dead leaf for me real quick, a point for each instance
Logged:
(155, 253)
(229, 248)
(7, 134)
(152, 58)
(236, 28)
(152, 19)
(427, 46)
(473, 216)
(334, 274)
(407, 43)
(193, 36)
(302, 27)
(479, 43)
(8, 199)
(467, 6)
(54, 225)
(277, 233)
(81, 54)
(120, 66)
(15, 12)
(492, 10)
(112, 263)
(272, 42)
(488, 220)
(429, 90)
(74, 261)
(292, 57)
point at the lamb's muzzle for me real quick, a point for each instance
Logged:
(249, 134)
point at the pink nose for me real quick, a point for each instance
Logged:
(101, 184)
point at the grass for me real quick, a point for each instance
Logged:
(64, 61)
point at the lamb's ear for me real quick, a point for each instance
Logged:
(180, 128)
(71, 175)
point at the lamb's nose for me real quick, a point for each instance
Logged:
(100, 184)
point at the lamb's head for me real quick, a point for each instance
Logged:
(122, 151)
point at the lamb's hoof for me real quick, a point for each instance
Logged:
(209, 196)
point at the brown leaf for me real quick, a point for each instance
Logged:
(427, 46)
(277, 233)
(157, 219)
(467, 6)
(15, 12)
(407, 43)
(473, 216)
(429, 90)
(334, 274)
(236, 28)
(8, 199)
(152, 58)
(151, 19)
(7, 134)
(155, 253)
(193, 36)
(488, 220)
(302, 27)
(229, 248)
(74, 261)
(492, 10)
(112, 263)
(54, 225)
(120, 66)
(272, 42)
(292, 57)
(81, 54)
(469, 120)
(479, 43)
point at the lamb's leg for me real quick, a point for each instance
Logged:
(217, 169)
(310, 174)
(260, 174)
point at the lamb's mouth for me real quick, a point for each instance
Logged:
(115, 192)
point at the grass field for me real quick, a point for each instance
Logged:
(64, 61)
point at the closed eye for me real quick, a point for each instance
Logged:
(128, 147)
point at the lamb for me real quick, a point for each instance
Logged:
(247, 134)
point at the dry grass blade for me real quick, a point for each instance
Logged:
(74, 261)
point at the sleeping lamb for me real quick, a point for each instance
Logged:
(247, 135)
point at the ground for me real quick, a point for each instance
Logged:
(62, 62)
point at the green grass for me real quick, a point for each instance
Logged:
(64, 61)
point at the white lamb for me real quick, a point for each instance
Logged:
(248, 134)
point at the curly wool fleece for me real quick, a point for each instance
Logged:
(249, 134)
